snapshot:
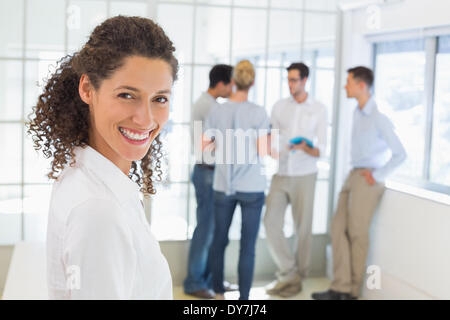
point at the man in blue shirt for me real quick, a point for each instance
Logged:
(198, 279)
(376, 152)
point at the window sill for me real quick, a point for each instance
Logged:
(424, 190)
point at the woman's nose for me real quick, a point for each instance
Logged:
(144, 115)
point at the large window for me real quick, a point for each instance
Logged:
(399, 88)
(412, 89)
(440, 150)
(271, 34)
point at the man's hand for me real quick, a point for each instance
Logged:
(208, 144)
(369, 178)
(305, 148)
(301, 146)
(274, 154)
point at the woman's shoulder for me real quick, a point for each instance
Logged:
(73, 187)
(77, 180)
(255, 109)
(95, 211)
(97, 222)
(253, 106)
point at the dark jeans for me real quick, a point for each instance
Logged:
(199, 272)
(251, 206)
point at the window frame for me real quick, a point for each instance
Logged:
(434, 191)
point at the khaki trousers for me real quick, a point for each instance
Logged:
(350, 231)
(299, 192)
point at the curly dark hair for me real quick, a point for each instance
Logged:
(60, 120)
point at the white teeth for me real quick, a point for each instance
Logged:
(132, 135)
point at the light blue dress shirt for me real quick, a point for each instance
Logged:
(237, 168)
(374, 142)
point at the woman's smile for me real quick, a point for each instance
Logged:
(136, 137)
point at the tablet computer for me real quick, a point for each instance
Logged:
(298, 140)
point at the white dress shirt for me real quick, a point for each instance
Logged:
(99, 244)
(293, 119)
(375, 144)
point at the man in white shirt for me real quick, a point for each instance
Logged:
(197, 282)
(297, 116)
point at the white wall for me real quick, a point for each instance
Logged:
(411, 244)
(412, 14)
(410, 238)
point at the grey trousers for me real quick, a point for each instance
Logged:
(299, 192)
(350, 231)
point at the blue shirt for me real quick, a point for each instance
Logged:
(374, 142)
(238, 166)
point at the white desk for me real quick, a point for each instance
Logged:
(27, 273)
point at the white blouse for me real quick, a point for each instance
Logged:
(99, 243)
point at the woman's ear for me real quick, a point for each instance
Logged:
(85, 89)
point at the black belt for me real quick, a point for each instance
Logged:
(205, 166)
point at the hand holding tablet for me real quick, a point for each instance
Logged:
(298, 140)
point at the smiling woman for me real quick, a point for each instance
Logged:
(98, 119)
(129, 109)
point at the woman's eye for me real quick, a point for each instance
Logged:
(125, 96)
(161, 99)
